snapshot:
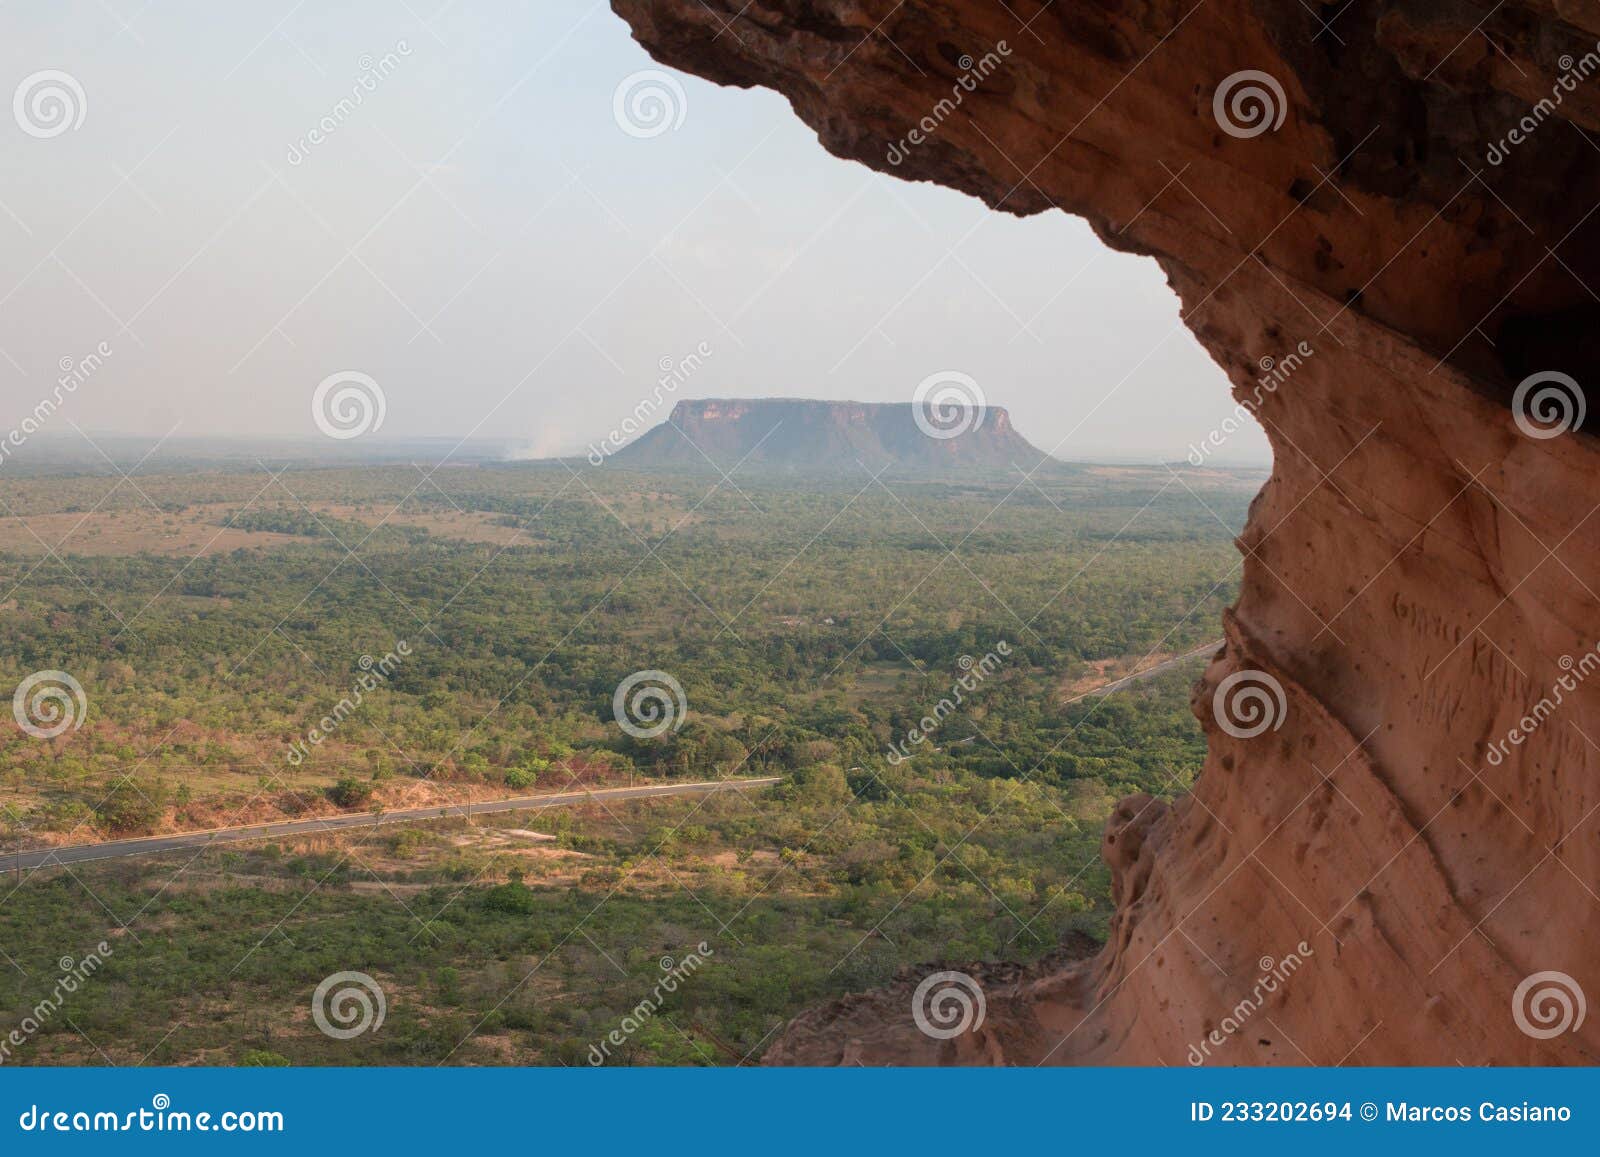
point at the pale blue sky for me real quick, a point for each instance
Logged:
(482, 239)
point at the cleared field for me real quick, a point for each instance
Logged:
(201, 530)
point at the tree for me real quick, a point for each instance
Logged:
(131, 807)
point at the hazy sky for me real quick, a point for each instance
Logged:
(480, 236)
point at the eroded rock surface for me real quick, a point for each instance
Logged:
(1416, 238)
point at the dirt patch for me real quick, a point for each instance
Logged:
(119, 532)
(201, 530)
(731, 859)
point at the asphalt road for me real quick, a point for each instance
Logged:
(151, 845)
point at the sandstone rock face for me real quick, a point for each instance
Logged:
(1398, 207)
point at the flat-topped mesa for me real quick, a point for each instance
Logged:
(1407, 189)
(799, 434)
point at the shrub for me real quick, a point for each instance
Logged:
(131, 807)
(513, 897)
(350, 792)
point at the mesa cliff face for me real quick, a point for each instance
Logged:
(803, 434)
(1399, 209)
